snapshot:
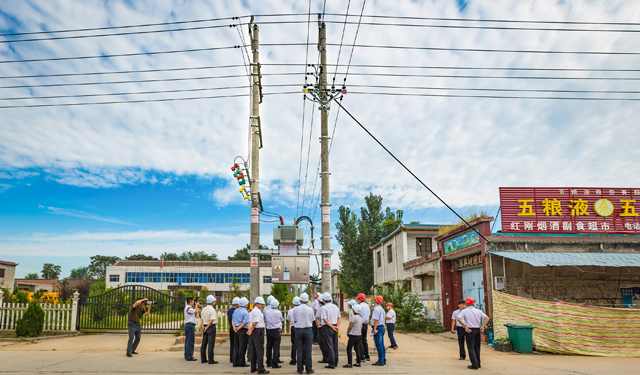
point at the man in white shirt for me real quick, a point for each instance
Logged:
(377, 327)
(256, 334)
(315, 304)
(209, 319)
(391, 325)
(331, 321)
(292, 327)
(273, 319)
(304, 334)
(365, 313)
(473, 321)
(190, 311)
(319, 323)
(459, 329)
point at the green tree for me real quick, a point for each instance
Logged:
(280, 292)
(357, 235)
(99, 264)
(243, 254)
(141, 257)
(32, 276)
(170, 256)
(32, 322)
(51, 271)
(189, 255)
(80, 273)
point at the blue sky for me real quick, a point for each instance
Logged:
(146, 178)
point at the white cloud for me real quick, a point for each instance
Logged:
(82, 215)
(4, 187)
(11, 174)
(462, 148)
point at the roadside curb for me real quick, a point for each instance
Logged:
(20, 339)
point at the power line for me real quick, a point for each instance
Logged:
(143, 100)
(410, 172)
(119, 55)
(304, 100)
(493, 96)
(344, 26)
(140, 81)
(125, 71)
(497, 89)
(143, 92)
(495, 77)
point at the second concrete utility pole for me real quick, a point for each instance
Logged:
(255, 166)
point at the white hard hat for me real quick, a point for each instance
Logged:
(357, 309)
(296, 301)
(304, 297)
(269, 299)
(243, 302)
(326, 296)
(274, 303)
(236, 301)
(210, 299)
(352, 303)
(259, 300)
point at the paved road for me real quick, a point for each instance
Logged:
(418, 354)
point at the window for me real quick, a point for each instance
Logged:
(1, 272)
(428, 282)
(389, 254)
(266, 279)
(378, 259)
(423, 246)
(114, 278)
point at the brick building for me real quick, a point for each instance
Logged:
(7, 274)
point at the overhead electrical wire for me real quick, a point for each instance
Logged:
(497, 89)
(493, 96)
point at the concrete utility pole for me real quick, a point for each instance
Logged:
(325, 205)
(254, 246)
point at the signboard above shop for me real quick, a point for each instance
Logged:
(570, 210)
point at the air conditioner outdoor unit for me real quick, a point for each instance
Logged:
(498, 282)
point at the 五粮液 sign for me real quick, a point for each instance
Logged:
(570, 210)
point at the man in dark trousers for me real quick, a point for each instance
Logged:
(190, 312)
(240, 326)
(473, 321)
(319, 323)
(209, 323)
(256, 333)
(137, 310)
(315, 305)
(273, 319)
(304, 335)
(292, 326)
(365, 312)
(235, 303)
(459, 329)
(331, 319)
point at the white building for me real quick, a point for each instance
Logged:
(409, 255)
(7, 274)
(215, 276)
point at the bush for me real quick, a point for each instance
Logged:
(422, 326)
(32, 322)
(20, 296)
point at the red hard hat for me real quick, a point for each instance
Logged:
(379, 299)
(469, 301)
(361, 297)
(389, 304)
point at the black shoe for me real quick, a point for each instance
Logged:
(358, 365)
(191, 359)
(263, 372)
(129, 355)
(347, 366)
(378, 364)
(244, 365)
(323, 362)
(213, 362)
(472, 367)
(203, 361)
(292, 362)
(252, 371)
(331, 367)
(134, 353)
(280, 361)
(276, 366)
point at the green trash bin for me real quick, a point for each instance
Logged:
(521, 337)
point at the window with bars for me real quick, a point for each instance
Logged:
(378, 258)
(389, 254)
(423, 246)
(114, 278)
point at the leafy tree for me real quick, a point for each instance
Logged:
(32, 276)
(80, 273)
(32, 322)
(66, 293)
(98, 287)
(51, 271)
(84, 288)
(99, 264)
(170, 256)
(189, 255)
(141, 257)
(243, 254)
(280, 292)
(357, 235)
(235, 288)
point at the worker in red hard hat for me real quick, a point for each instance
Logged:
(377, 327)
(473, 321)
(365, 312)
(391, 325)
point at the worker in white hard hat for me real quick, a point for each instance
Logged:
(304, 334)
(273, 319)
(240, 326)
(235, 303)
(209, 321)
(256, 334)
(292, 328)
(331, 318)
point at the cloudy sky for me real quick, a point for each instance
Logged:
(148, 177)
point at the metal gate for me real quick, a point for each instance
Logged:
(109, 312)
(473, 286)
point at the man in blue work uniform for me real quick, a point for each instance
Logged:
(240, 326)
(235, 303)
(377, 327)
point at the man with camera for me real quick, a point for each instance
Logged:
(139, 308)
(190, 312)
(209, 317)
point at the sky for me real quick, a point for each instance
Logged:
(131, 178)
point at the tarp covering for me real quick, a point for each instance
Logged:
(573, 259)
(569, 328)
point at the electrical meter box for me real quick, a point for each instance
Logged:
(289, 269)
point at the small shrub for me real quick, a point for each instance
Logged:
(32, 322)
(20, 296)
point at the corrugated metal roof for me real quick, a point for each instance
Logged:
(563, 239)
(573, 259)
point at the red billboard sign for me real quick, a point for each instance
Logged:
(570, 210)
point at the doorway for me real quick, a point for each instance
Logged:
(473, 286)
